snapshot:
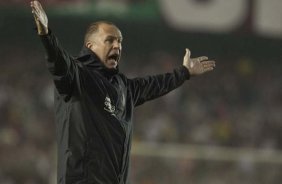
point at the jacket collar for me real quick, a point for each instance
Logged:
(88, 58)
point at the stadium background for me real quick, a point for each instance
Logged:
(223, 127)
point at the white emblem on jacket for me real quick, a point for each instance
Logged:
(109, 106)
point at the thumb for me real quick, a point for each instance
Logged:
(188, 53)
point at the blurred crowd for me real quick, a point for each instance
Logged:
(238, 105)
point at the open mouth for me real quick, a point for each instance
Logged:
(113, 57)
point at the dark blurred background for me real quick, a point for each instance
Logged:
(222, 127)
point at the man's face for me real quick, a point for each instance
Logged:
(106, 44)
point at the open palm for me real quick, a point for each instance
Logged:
(40, 17)
(199, 65)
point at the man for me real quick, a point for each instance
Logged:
(94, 102)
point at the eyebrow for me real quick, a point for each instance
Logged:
(115, 37)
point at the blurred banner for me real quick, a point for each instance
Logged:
(259, 17)
(256, 16)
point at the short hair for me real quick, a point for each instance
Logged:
(94, 27)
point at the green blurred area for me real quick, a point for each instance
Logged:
(143, 28)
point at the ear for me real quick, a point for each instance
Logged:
(88, 45)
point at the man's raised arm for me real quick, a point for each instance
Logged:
(60, 64)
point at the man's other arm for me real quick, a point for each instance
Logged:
(151, 87)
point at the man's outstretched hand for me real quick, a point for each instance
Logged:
(199, 65)
(40, 17)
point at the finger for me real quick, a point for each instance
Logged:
(38, 5)
(188, 53)
(35, 17)
(37, 10)
(33, 4)
(202, 58)
(208, 63)
(35, 14)
(208, 69)
(34, 9)
(208, 66)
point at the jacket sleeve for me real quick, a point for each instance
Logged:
(60, 64)
(151, 87)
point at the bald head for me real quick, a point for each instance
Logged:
(94, 28)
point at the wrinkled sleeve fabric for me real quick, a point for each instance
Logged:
(151, 87)
(61, 65)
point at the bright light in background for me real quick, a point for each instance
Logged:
(223, 16)
(215, 16)
(268, 18)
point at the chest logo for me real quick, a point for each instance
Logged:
(109, 106)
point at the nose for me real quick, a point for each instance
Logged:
(116, 45)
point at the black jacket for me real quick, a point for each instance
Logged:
(93, 114)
